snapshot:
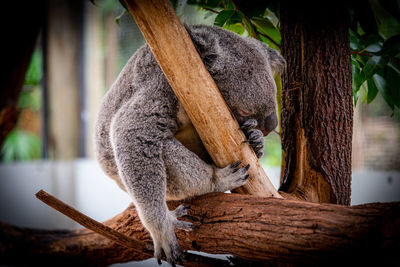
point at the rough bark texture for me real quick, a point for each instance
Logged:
(253, 228)
(197, 91)
(317, 107)
(19, 41)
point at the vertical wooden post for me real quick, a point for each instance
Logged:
(94, 81)
(197, 91)
(63, 33)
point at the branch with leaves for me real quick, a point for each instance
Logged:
(374, 40)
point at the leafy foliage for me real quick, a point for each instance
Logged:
(21, 144)
(374, 40)
(375, 45)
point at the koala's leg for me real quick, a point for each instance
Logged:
(188, 175)
(137, 144)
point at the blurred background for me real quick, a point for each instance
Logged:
(79, 54)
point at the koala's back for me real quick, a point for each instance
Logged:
(125, 88)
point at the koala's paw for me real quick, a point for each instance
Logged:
(254, 137)
(179, 212)
(167, 245)
(166, 242)
(231, 177)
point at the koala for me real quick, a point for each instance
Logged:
(145, 141)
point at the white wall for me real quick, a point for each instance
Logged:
(83, 185)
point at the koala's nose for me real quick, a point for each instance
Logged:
(270, 124)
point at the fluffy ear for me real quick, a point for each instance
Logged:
(205, 42)
(276, 61)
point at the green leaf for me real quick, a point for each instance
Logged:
(269, 43)
(205, 3)
(34, 73)
(392, 78)
(388, 26)
(372, 90)
(383, 89)
(358, 79)
(391, 47)
(265, 26)
(228, 5)
(229, 17)
(237, 28)
(20, 145)
(374, 48)
(370, 67)
(395, 66)
(255, 9)
(355, 42)
(118, 19)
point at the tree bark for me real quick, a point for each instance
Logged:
(317, 104)
(20, 39)
(197, 91)
(253, 228)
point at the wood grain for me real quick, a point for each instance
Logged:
(254, 228)
(197, 91)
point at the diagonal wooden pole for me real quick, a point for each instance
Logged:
(197, 91)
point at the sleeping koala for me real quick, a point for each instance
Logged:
(145, 141)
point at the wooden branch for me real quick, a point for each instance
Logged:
(253, 228)
(139, 247)
(197, 91)
(94, 225)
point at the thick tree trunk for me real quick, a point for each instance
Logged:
(317, 107)
(253, 228)
(19, 41)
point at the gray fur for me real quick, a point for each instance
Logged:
(140, 117)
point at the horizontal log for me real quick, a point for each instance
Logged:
(250, 227)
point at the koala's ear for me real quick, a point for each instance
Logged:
(205, 43)
(276, 61)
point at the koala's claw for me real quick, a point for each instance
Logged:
(231, 177)
(254, 137)
(168, 247)
(236, 164)
(249, 124)
(181, 211)
(186, 226)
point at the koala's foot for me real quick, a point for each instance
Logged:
(230, 177)
(166, 241)
(254, 136)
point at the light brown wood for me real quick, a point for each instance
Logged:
(254, 228)
(63, 32)
(94, 73)
(197, 91)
